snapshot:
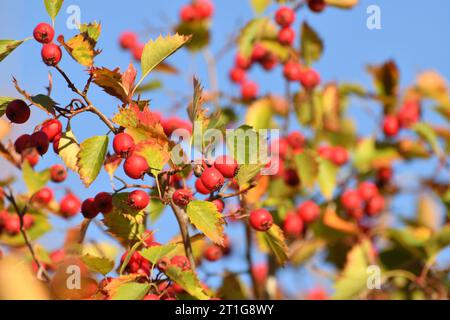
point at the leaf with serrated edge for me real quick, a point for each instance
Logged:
(8, 46)
(53, 7)
(91, 157)
(311, 44)
(68, 149)
(154, 254)
(206, 218)
(98, 264)
(307, 168)
(188, 281)
(275, 241)
(131, 291)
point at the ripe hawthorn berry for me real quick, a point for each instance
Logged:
(269, 61)
(292, 70)
(43, 196)
(286, 36)
(204, 9)
(351, 200)
(409, 113)
(260, 272)
(241, 62)
(308, 211)
(375, 205)
(296, 140)
(58, 173)
(200, 187)
(249, 90)
(12, 225)
(237, 75)
(187, 13)
(212, 179)
(258, 52)
(317, 6)
(134, 263)
(23, 142)
(367, 190)
(123, 144)
(52, 128)
(128, 40)
(212, 253)
(135, 167)
(51, 54)
(103, 202)
(17, 111)
(384, 174)
(181, 262)
(227, 166)
(182, 197)
(390, 125)
(39, 140)
(171, 124)
(339, 155)
(69, 205)
(220, 205)
(44, 33)
(137, 51)
(293, 225)
(309, 78)
(31, 156)
(284, 16)
(88, 209)
(261, 220)
(151, 296)
(56, 143)
(138, 199)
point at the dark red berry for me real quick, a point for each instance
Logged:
(56, 143)
(212, 179)
(44, 33)
(52, 128)
(241, 62)
(123, 144)
(135, 167)
(39, 140)
(296, 140)
(18, 111)
(103, 202)
(51, 54)
(317, 6)
(138, 199)
(58, 173)
(88, 209)
(182, 197)
(261, 220)
(23, 142)
(291, 177)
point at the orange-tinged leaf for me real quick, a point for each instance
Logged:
(332, 220)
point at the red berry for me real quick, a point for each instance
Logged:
(212, 253)
(292, 70)
(351, 200)
(249, 90)
(291, 177)
(409, 114)
(308, 211)
(284, 16)
(182, 197)
(23, 142)
(56, 143)
(200, 187)
(293, 225)
(52, 128)
(43, 196)
(203, 9)
(134, 263)
(44, 33)
(375, 205)
(269, 62)
(227, 166)
(18, 111)
(296, 140)
(261, 220)
(367, 190)
(260, 272)
(212, 179)
(39, 140)
(390, 125)
(103, 202)
(151, 296)
(123, 144)
(149, 238)
(309, 79)
(339, 156)
(88, 209)
(128, 40)
(181, 262)
(286, 36)
(242, 62)
(220, 205)
(58, 256)
(174, 123)
(317, 6)
(280, 147)
(138, 199)
(258, 52)
(137, 52)
(384, 174)
(58, 173)
(12, 225)
(237, 75)
(135, 167)
(51, 54)
(326, 152)
(31, 156)
(69, 206)
(187, 13)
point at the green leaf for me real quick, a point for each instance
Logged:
(305, 250)
(200, 32)
(91, 157)
(131, 291)
(34, 181)
(353, 280)
(44, 101)
(283, 53)
(157, 157)
(93, 30)
(53, 7)
(247, 172)
(256, 30)
(311, 44)
(275, 241)
(327, 178)
(4, 101)
(68, 149)
(154, 254)
(205, 217)
(151, 85)
(98, 264)
(158, 50)
(307, 167)
(188, 281)
(427, 133)
(8, 46)
(156, 209)
(232, 288)
(259, 114)
(259, 6)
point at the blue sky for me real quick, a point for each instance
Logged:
(413, 33)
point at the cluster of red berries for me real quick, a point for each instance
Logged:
(212, 177)
(102, 202)
(198, 10)
(408, 114)
(129, 40)
(295, 222)
(214, 252)
(51, 53)
(30, 147)
(69, 205)
(135, 166)
(366, 199)
(336, 154)
(10, 222)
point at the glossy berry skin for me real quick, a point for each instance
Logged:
(88, 209)
(39, 140)
(284, 17)
(51, 54)
(52, 128)
(23, 142)
(339, 156)
(227, 166)
(135, 167)
(286, 36)
(351, 200)
(44, 33)
(182, 262)
(375, 205)
(390, 125)
(18, 111)
(220, 205)
(69, 205)
(43, 196)
(200, 187)
(187, 13)
(367, 190)
(317, 6)
(212, 253)
(12, 225)
(104, 202)
(237, 75)
(212, 179)
(292, 71)
(123, 144)
(182, 197)
(309, 79)
(293, 225)
(56, 143)
(138, 199)
(261, 220)
(258, 52)
(249, 90)
(128, 40)
(308, 211)
(58, 173)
